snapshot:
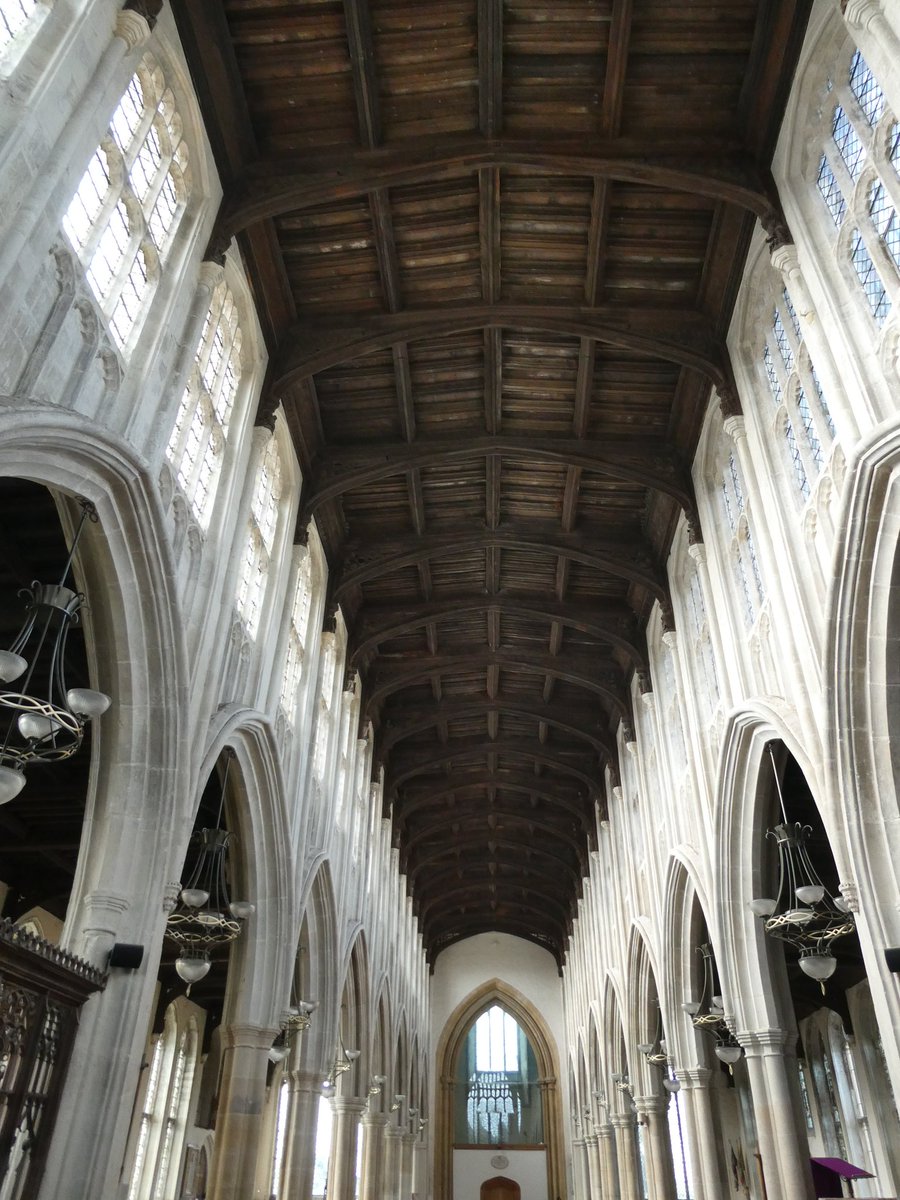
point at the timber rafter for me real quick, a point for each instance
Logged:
(402, 722)
(679, 336)
(407, 765)
(269, 188)
(613, 623)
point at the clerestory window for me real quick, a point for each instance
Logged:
(197, 442)
(261, 527)
(858, 180)
(803, 417)
(297, 639)
(742, 548)
(19, 20)
(123, 216)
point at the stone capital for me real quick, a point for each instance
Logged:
(651, 1105)
(697, 551)
(249, 1037)
(759, 1042)
(374, 1120)
(736, 427)
(693, 1077)
(132, 28)
(622, 1120)
(349, 1104)
(862, 14)
(605, 1133)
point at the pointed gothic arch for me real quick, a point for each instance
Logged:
(454, 1033)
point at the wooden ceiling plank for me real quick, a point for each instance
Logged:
(616, 68)
(489, 20)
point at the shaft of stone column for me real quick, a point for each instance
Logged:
(242, 1094)
(593, 1158)
(371, 1172)
(391, 1182)
(342, 1170)
(407, 1146)
(580, 1164)
(300, 1136)
(606, 1145)
(626, 1157)
(783, 1146)
(653, 1114)
(704, 1151)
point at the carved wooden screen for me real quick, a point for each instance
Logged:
(41, 991)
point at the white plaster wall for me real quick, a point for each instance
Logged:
(527, 1168)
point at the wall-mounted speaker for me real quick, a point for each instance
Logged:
(126, 956)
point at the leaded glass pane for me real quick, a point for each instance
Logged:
(867, 273)
(884, 218)
(852, 151)
(866, 90)
(783, 342)
(830, 191)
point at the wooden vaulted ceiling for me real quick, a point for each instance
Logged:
(495, 245)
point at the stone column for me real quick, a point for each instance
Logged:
(783, 1144)
(242, 1094)
(609, 1175)
(593, 1172)
(342, 1175)
(300, 1135)
(407, 1147)
(653, 1115)
(391, 1181)
(626, 1156)
(371, 1171)
(705, 1151)
(582, 1186)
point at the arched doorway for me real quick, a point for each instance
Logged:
(500, 1188)
(499, 1098)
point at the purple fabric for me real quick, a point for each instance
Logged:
(841, 1167)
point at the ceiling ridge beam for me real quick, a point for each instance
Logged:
(406, 766)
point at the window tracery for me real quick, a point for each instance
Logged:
(197, 442)
(806, 427)
(126, 208)
(857, 180)
(742, 549)
(261, 526)
(17, 19)
(296, 646)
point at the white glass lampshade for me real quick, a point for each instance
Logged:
(278, 1054)
(671, 1085)
(810, 893)
(763, 907)
(799, 916)
(841, 904)
(36, 728)
(242, 909)
(728, 1054)
(192, 968)
(85, 702)
(11, 783)
(413, 1112)
(194, 897)
(645, 1047)
(11, 666)
(716, 1004)
(818, 966)
(352, 1055)
(691, 1007)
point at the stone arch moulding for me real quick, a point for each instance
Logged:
(861, 659)
(458, 1024)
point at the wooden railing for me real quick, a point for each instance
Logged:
(41, 990)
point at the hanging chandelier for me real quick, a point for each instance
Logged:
(205, 917)
(655, 1052)
(45, 724)
(708, 1014)
(803, 913)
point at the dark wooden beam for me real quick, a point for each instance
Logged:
(577, 764)
(403, 721)
(505, 893)
(612, 624)
(675, 335)
(358, 21)
(632, 561)
(509, 822)
(651, 464)
(521, 783)
(530, 851)
(386, 677)
(716, 170)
